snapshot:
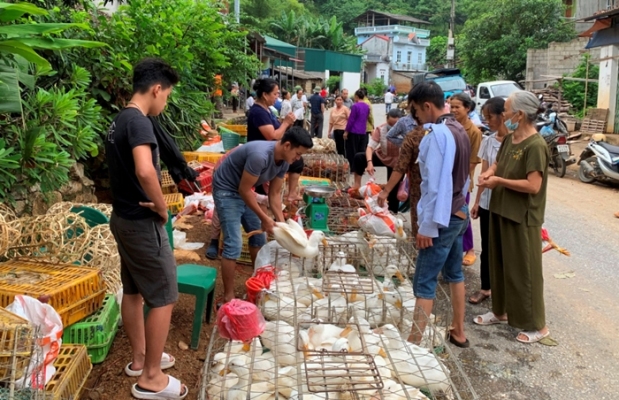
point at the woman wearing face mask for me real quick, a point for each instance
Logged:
(518, 181)
(380, 153)
(460, 106)
(493, 114)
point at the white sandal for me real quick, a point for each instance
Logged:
(167, 361)
(171, 392)
(532, 336)
(488, 319)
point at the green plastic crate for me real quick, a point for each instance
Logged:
(96, 332)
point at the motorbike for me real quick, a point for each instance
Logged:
(599, 161)
(555, 132)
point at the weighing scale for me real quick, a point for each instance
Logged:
(317, 210)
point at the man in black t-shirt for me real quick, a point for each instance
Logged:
(148, 267)
(317, 103)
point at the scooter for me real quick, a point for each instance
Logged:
(599, 161)
(555, 132)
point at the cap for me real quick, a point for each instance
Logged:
(317, 89)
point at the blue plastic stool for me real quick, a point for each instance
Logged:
(199, 281)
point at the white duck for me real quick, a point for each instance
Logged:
(286, 380)
(307, 294)
(239, 347)
(292, 237)
(321, 335)
(393, 390)
(391, 271)
(399, 229)
(279, 337)
(240, 391)
(415, 365)
(277, 306)
(219, 385)
(341, 265)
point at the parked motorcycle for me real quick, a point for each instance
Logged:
(599, 161)
(555, 132)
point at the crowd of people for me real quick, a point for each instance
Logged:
(438, 151)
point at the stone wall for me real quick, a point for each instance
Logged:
(558, 59)
(79, 189)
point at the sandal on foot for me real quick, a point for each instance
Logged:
(488, 319)
(463, 345)
(213, 250)
(532, 336)
(469, 260)
(167, 361)
(478, 297)
(171, 392)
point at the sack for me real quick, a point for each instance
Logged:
(370, 189)
(380, 222)
(47, 346)
(403, 192)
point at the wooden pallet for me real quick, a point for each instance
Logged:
(595, 121)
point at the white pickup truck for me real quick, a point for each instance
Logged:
(488, 90)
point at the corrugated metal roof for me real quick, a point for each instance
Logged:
(397, 17)
(271, 41)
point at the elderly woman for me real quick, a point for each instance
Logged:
(493, 114)
(460, 105)
(518, 181)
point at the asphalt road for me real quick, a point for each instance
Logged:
(582, 312)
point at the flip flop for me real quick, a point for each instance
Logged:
(478, 297)
(167, 361)
(488, 319)
(463, 345)
(532, 336)
(171, 392)
(469, 260)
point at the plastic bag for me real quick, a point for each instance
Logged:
(403, 190)
(370, 189)
(378, 221)
(240, 320)
(214, 148)
(43, 316)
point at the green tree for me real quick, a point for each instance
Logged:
(574, 91)
(436, 53)
(494, 44)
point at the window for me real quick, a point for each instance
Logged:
(382, 75)
(409, 57)
(398, 56)
(419, 58)
(484, 93)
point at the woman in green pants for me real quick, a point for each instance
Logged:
(518, 181)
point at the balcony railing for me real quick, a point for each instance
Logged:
(372, 58)
(369, 30)
(400, 66)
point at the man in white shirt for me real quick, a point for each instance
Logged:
(388, 101)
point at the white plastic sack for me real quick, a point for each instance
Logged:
(201, 199)
(381, 223)
(181, 243)
(214, 148)
(43, 316)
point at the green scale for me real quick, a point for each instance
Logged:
(317, 209)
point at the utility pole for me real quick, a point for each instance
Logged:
(237, 10)
(451, 41)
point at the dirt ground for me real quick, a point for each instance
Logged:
(108, 380)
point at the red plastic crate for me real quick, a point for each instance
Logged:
(205, 180)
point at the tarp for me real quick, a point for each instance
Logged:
(604, 37)
(597, 26)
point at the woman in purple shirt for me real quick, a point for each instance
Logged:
(355, 136)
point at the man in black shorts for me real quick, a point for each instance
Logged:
(148, 267)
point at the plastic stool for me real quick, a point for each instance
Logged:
(93, 217)
(199, 281)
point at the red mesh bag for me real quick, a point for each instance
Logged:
(262, 279)
(240, 320)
